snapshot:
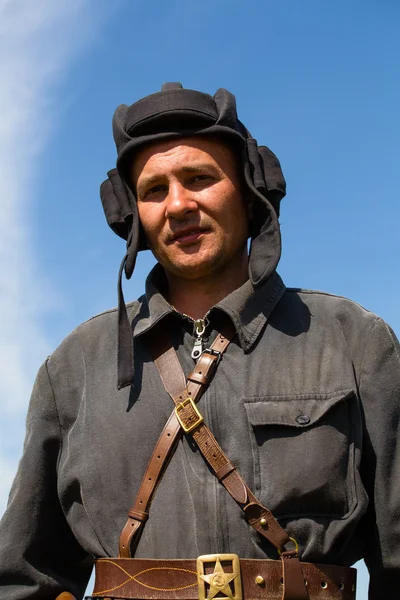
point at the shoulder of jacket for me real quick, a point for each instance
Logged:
(334, 302)
(111, 314)
(102, 325)
(320, 295)
(131, 307)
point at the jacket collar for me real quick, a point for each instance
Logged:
(248, 307)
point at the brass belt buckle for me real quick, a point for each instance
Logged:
(218, 576)
(199, 418)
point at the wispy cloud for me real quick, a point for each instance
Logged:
(38, 41)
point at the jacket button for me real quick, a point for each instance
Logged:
(303, 420)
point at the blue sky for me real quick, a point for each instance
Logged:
(316, 81)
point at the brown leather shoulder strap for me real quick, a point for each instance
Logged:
(186, 417)
(138, 514)
(174, 382)
(257, 515)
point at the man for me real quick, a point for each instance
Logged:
(304, 401)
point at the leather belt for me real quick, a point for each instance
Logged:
(218, 576)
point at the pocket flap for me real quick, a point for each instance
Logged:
(301, 410)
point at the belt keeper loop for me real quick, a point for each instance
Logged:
(138, 515)
(294, 585)
(197, 378)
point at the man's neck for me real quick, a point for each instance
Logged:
(195, 297)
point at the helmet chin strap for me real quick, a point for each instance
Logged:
(125, 357)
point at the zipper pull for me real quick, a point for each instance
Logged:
(199, 329)
(197, 348)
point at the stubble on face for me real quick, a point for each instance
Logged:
(192, 208)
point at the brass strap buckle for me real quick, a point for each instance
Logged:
(218, 576)
(182, 405)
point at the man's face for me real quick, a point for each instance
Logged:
(191, 207)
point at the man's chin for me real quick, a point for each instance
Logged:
(189, 269)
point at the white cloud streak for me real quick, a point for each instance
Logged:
(38, 41)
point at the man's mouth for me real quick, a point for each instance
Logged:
(190, 235)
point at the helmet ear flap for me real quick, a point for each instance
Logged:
(265, 179)
(274, 180)
(266, 173)
(116, 204)
(121, 212)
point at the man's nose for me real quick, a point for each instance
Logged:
(180, 201)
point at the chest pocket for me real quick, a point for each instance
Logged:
(303, 451)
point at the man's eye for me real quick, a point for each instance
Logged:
(154, 190)
(198, 178)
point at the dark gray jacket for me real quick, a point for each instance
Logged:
(305, 402)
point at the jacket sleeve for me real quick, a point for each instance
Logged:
(39, 556)
(380, 396)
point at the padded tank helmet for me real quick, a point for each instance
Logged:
(175, 112)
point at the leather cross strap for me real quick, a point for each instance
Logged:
(174, 382)
(257, 515)
(186, 417)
